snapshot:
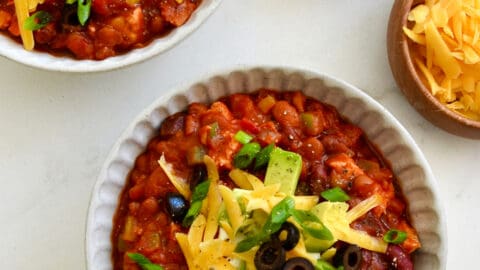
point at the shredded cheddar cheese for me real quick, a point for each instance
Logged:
(445, 48)
(210, 241)
(22, 10)
(180, 184)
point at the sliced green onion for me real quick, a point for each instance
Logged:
(245, 156)
(214, 128)
(311, 224)
(335, 194)
(262, 158)
(199, 194)
(143, 262)
(280, 213)
(83, 10)
(243, 137)
(323, 265)
(248, 243)
(192, 213)
(37, 20)
(201, 190)
(395, 236)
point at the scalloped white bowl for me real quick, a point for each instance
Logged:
(408, 163)
(14, 51)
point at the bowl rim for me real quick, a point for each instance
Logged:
(13, 50)
(407, 6)
(430, 180)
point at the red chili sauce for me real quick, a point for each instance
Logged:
(335, 153)
(114, 27)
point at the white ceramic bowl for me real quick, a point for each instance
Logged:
(13, 50)
(408, 163)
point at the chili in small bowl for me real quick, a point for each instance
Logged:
(95, 35)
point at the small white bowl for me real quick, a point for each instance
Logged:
(15, 51)
(408, 163)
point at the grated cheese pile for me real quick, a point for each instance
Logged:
(445, 47)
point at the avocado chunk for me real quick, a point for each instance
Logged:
(284, 167)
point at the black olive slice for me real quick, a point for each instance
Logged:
(291, 238)
(177, 206)
(352, 258)
(298, 263)
(270, 256)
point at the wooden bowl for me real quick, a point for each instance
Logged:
(412, 86)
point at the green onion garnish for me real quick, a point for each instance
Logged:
(83, 10)
(335, 194)
(143, 262)
(395, 236)
(262, 158)
(199, 193)
(311, 224)
(280, 213)
(37, 20)
(243, 137)
(323, 265)
(245, 156)
(248, 243)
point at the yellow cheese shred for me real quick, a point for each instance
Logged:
(21, 10)
(180, 184)
(445, 48)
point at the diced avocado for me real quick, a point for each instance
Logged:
(284, 167)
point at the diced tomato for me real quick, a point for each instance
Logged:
(248, 126)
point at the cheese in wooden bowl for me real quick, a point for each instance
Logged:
(434, 53)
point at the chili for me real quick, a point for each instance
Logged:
(335, 154)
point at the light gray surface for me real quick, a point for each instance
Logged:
(57, 128)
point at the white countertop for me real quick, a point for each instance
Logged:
(58, 128)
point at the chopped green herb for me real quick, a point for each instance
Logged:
(248, 243)
(262, 158)
(335, 194)
(199, 193)
(37, 20)
(143, 262)
(323, 265)
(280, 213)
(243, 137)
(395, 236)
(311, 224)
(83, 10)
(201, 190)
(245, 156)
